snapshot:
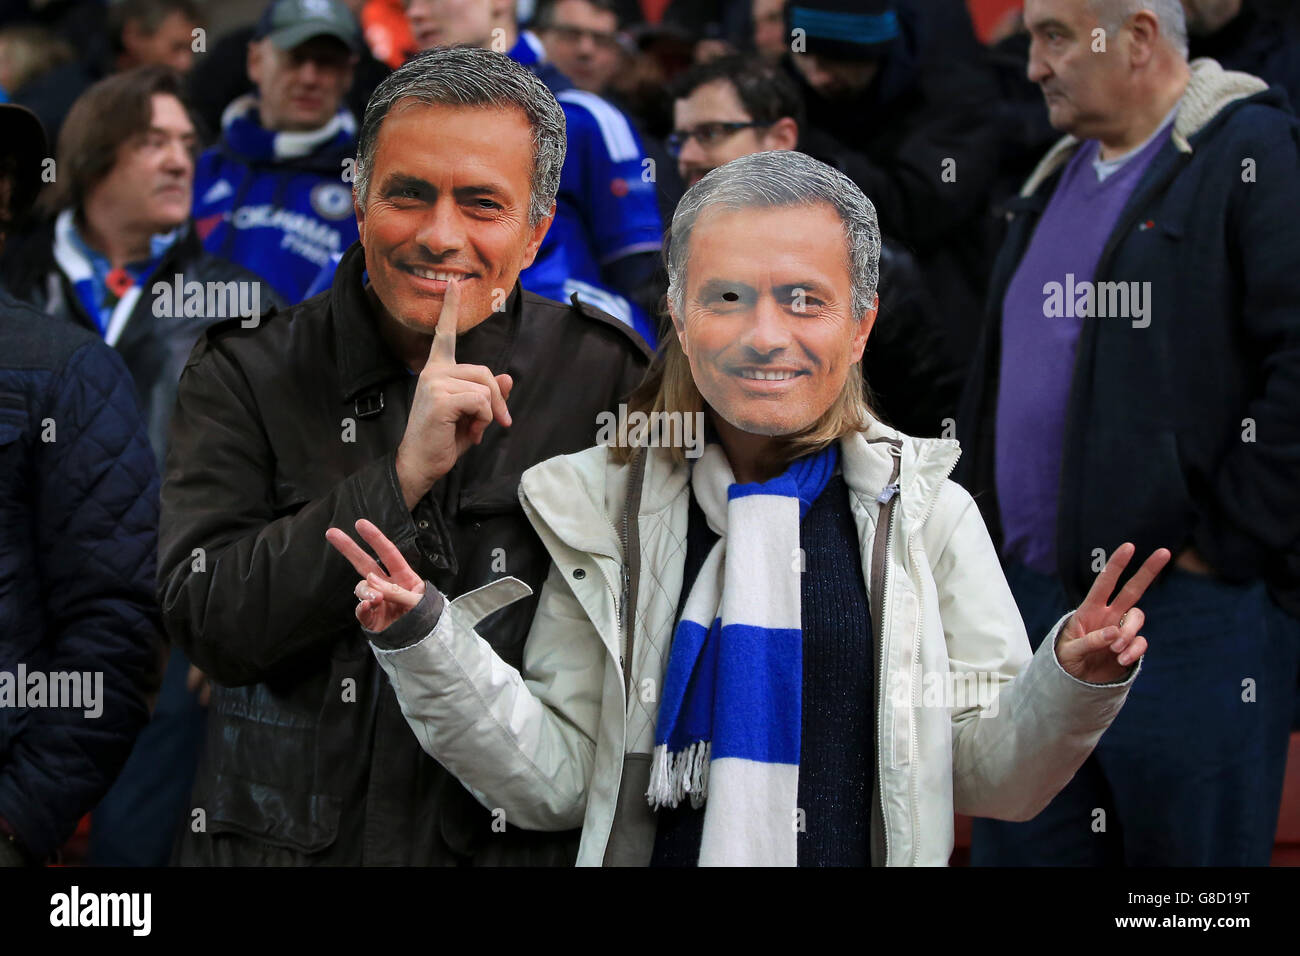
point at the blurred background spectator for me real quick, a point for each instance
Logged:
(1254, 36)
(106, 38)
(118, 221)
(585, 40)
(145, 32)
(916, 137)
(275, 193)
(582, 39)
(28, 53)
(221, 76)
(768, 20)
(78, 536)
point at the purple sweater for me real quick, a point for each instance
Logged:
(1040, 330)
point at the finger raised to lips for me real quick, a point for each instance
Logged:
(443, 350)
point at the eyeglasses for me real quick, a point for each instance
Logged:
(573, 35)
(707, 134)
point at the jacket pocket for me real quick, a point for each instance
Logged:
(293, 819)
(263, 751)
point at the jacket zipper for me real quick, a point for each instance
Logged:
(629, 536)
(914, 753)
(880, 583)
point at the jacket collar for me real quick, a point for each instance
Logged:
(244, 134)
(364, 361)
(575, 495)
(58, 256)
(924, 464)
(1210, 91)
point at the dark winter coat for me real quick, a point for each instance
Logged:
(78, 531)
(1185, 430)
(289, 429)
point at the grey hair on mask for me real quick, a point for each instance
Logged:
(1170, 14)
(771, 180)
(470, 77)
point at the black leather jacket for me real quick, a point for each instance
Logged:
(283, 431)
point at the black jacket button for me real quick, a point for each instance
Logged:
(579, 573)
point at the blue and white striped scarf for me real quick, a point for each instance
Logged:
(730, 718)
(88, 271)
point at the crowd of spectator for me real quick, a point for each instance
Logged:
(145, 147)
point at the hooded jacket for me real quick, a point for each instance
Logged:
(1183, 424)
(277, 203)
(568, 739)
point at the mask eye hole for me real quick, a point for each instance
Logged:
(731, 296)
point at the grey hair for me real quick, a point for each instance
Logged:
(1169, 13)
(468, 76)
(773, 179)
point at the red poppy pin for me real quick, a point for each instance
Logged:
(119, 281)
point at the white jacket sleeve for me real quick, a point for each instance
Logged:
(521, 743)
(1013, 756)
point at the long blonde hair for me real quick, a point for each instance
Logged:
(669, 387)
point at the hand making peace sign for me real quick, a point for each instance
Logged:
(1100, 641)
(384, 595)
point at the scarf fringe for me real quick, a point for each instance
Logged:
(674, 776)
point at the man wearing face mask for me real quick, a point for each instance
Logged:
(766, 688)
(335, 409)
(273, 195)
(733, 106)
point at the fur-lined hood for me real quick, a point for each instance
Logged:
(1210, 89)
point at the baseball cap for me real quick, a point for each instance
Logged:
(291, 22)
